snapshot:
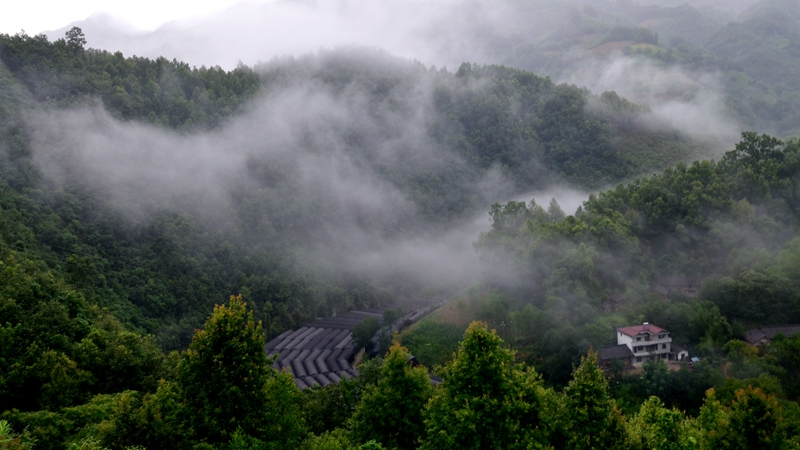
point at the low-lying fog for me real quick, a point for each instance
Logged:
(288, 158)
(359, 219)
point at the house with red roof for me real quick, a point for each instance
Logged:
(645, 342)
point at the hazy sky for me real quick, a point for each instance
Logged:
(35, 16)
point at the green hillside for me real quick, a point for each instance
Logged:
(162, 267)
(749, 58)
(138, 196)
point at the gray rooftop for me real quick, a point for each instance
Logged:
(321, 352)
(759, 333)
(618, 351)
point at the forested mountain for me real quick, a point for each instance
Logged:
(137, 195)
(727, 64)
(335, 153)
(732, 223)
(747, 59)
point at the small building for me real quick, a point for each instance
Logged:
(763, 335)
(614, 303)
(644, 342)
(688, 286)
(622, 353)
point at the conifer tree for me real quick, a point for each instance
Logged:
(591, 417)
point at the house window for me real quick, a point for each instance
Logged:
(638, 359)
(638, 339)
(663, 346)
(661, 336)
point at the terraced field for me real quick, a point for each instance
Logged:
(322, 352)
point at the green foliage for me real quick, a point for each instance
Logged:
(52, 430)
(656, 379)
(159, 91)
(785, 354)
(591, 418)
(226, 383)
(329, 440)
(391, 315)
(757, 297)
(225, 394)
(757, 420)
(162, 272)
(364, 331)
(75, 39)
(14, 441)
(637, 35)
(687, 220)
(752, 420)
(658, 428)
(433, 344)
(331, 407)
(485, 400)
(759, 55)
(154, 421)
(72, 375)
(390, 412)
(753, 50)
(58, 350)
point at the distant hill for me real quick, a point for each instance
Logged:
(347, 177)
(699, 40)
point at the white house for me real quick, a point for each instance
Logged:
(648, 342)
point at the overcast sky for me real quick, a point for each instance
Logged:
(36, 16)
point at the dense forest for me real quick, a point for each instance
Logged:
(222, 393)
(730, 60)
(748, 56)
(137, 195)
(141, 243)
(733, 222)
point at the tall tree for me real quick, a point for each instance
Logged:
(364, 331)
(714, 421)
(658, 428)
(75, 39)
(227, 384)
(391, 411)
(485, 401)
(752, 420)
(756, 421)
(592, 419)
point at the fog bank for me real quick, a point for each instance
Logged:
(287, 163)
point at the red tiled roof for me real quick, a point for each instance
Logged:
(639, 329)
